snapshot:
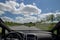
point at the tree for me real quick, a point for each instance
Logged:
(58, 17)
(30, 24)
(50, 18)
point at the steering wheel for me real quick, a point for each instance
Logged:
(13, 36)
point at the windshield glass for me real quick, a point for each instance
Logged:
(30, 14)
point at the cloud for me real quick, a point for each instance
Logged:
(27, 10)
(19, 20)
(30, 9)
(31, 19)
(8, 6)
(8, 19)
(27, 19)
(4, 7)
(45, 15)
(16, 8)
(1, 12)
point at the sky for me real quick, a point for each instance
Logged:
(25, 11)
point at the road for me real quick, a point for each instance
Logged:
(31, 30)
(24, 28)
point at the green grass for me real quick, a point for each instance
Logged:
(44, 26)
(29, 24)
(12, 24)
(0, 30)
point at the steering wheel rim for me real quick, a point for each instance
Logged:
(13, 35)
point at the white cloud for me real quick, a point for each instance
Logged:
(27, 19)
(8, 19)
(26, 10)
(1, 12)
(30, 9)
(8, 6)
(22, 8)
(19, 20)
(44, 16)
(30, 19)
(34, 19)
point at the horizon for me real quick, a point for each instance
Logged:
(25, 11)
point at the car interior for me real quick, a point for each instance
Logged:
(9, 34)
(29, 19)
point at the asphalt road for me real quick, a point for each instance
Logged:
(24, 28)
(28, 29)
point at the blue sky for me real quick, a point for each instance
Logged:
(51, 5)
(46, 6)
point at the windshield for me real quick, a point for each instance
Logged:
(30, 14)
